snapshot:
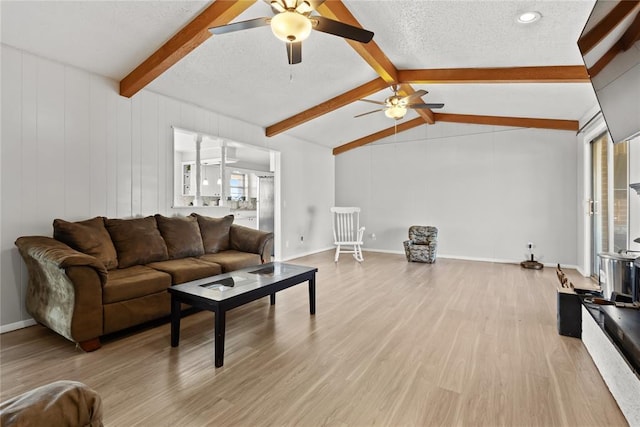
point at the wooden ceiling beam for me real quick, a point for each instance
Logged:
(523, 122)
(184, 41)
(594, 36)
(549, 74)
(370, 52)
(373, 55)
(410, 124)
(339, 101)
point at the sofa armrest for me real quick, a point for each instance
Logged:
(250, 240)
(64, 291)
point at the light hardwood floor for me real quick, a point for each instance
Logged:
(392, 343)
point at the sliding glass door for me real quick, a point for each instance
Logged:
(608, 206)
(598, 204)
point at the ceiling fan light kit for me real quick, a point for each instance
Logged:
(291, 26)
(293, 22)
(395, 112)
(396, 106)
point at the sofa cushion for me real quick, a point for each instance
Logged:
(138, 241)
(187, 269)
(181, 235)
(232, 260)
(214, 232)
(124, 314)
(89, 237)
(60, 403)
(134, 282)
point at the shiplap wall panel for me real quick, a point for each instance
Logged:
(50, 164)
(136, 156)
(112, 102)
(29, 206)
(11, 304)
(201, 119)
(98, 110)
(165, 156)
(123, 159)
(187, 118)
(76, 149)
(77, 145)
(149, 146)
(171, 118)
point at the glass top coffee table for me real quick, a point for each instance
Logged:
(230, 290)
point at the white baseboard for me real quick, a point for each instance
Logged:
(383, 251)
(17, 325)
(303, 254)
(468, 258)
(579, 270)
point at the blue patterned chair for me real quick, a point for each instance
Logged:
(422, 244)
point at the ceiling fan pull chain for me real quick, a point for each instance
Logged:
(290, 47)
(395, 131)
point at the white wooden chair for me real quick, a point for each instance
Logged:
(347, 232)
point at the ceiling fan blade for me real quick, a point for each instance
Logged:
(414, 95)
(239, 26)
(337, 28)
(370, 112)
(294, 52)
(420, 105)
(372, 101)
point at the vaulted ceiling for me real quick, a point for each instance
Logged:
(473, 56)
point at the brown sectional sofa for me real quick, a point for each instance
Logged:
(103, 275)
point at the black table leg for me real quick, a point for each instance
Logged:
(312, 294)
(273, 298)
(175, 321)
(219, 337)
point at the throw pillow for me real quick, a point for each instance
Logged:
(214, 232)
(89, 237)
(182, 236)
(137, 241)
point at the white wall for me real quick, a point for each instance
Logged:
(489, 190)
(73, 148)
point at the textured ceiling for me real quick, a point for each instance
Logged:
(246, 75)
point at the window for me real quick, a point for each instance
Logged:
(238, 186)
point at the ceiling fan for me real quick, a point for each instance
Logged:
(396, 106)
(293, 22)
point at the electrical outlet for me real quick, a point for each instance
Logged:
(373, 236)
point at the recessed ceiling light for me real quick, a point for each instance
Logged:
(529, 17)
